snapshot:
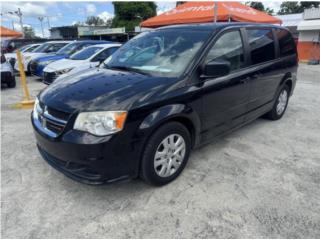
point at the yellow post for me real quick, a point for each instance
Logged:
(27, 102)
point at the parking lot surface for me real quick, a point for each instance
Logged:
(262, 181)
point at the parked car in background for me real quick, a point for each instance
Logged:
(38, 64)
(12, 57)
(43, 49)
(10, 45)
(87, 58)
(7, 75)
(162, 94)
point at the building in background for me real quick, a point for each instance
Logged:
(309, 36)
(291, 21)
(90, 32)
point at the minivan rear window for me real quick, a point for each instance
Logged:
(286, 43)
(261, 44)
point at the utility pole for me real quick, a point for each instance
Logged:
(48, 22)
(12, 25)
(41, 20)
(19, 14)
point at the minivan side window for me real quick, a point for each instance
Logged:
(228, 47)
(286, 43)
(261, 45)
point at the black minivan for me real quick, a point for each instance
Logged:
(163, 93)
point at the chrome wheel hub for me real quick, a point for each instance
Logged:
(282, 102)
(169, 155)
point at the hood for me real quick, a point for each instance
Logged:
(104, 89)
(53, 57)
(63, 64)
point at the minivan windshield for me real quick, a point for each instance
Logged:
(86, 53)
(165, 52)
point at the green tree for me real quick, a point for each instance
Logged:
(305, 5)
(260, 7)
(179, 3)
(94, 21)
(296, 7)
(256, 5)
(29, 32)
(131, 14)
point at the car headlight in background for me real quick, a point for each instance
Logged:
(27, 58)
(63, 71)
(101, 123)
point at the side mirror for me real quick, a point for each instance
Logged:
(216, 68)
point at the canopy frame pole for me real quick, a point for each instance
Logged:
(215, 11)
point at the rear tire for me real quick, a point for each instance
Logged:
(280, 105)
(166, 154)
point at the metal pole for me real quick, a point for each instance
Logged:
(41, 19)
(12, 25)
(19, 13)
(215, 8)
(48, 22)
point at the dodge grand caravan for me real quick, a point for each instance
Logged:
(162, 94)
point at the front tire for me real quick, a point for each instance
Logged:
(280, 104)
(166, 154)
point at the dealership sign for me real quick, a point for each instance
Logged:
(98, 30)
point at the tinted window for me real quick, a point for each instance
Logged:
(31, 49)
(85, 53)
(69, 48)
(261, 45)
(228, 47)
(101, 56)
(286, 43)
(55, 47)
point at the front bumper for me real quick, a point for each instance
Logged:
(87, 158)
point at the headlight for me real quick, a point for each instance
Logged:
(27, 58)
(101, 123)
(63, 71)
(35, 109)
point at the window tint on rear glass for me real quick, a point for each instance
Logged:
(261, 45)
(229, 48)
(286, 43)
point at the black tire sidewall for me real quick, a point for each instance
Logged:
(147, 165)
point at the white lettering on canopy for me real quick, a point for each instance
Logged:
(211, 7)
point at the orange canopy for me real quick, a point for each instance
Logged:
(6, 32)
(200, 12)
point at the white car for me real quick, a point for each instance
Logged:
(12, 57)
(86, 58)
(7, 75)
(43, 49)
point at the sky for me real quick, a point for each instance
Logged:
(68, 13)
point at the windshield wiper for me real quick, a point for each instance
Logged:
(128, 69)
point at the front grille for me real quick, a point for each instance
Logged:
(33, 66)
(51, 121)
(49, 77)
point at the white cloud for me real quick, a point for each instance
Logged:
(273, 5)
(28, 9)
(91, 9)
(105, 16)
(164, 7)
